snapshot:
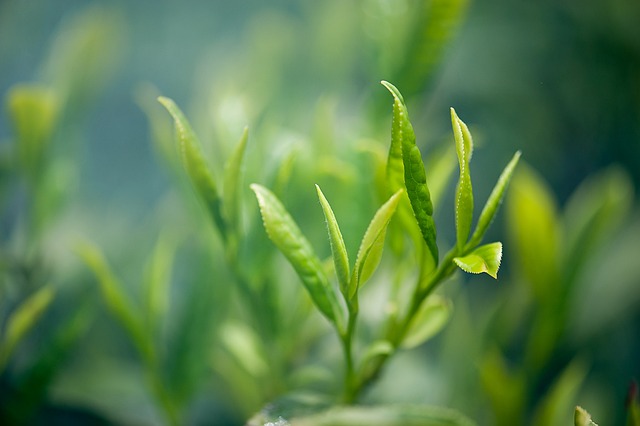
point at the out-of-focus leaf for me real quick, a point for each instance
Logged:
(493, 202)
(23, 319)
(34, 111)
(485, 258)
(196, 166)
(633, 406)
(370, 250)
(506, 390)
(231, 183)
(532, 221)
(415, 179)
(158, 277)
(430, 319)
(555, 407)
(244, 345)
(338, 249)
(376, 349)
(464, 190)
(285, 234)
(582, 418)
(397, 415)
(594, 210)
(114, 297)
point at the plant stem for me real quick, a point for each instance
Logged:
(350, 383)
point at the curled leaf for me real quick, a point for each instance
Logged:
(415, 179)
(464, 191)
(485, 258)
(285, 234)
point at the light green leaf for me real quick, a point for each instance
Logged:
(485, 258)
(243, 343)
(506, 389)
(231, 183)
(114, 296)
(375, 350)
(22, 320)
(493, 202)
(430, 319)
(582, 418)
(338, 249)
(33, 110)
(464, 191)
(285, 234)
(370, 251)
(415, 178)
(195, 165)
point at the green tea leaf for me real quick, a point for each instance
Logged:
(582, 418)
(195, 165)
(370, 251)
(231, 183)
(243, 343)
(430, 319)
(464, 191)
(285, 234)
(338, 248)
(23, 319)
(493, 202)
(506, 389)
(114, 296)
(485, 258)
(415, 179)
(376, 349)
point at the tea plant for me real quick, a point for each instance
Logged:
(422, 316)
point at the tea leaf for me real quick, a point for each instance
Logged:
(195, 165)
(113, 294)
(582, 418)
(243, 343)
(464, 191)
(23, 319)
(285, 234)
(231, 183)
(505, 388)
(338, 249)
(430, 319)
(157, 280)
(415, 178)
(493, 202)
(485, 258)
(376, 349)
(370, 250)
(555, 407)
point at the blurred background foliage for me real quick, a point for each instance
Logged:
(86, 154)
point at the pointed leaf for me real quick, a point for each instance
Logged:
(114, 296)
(493, 202)
(338, 248)
(231, 183)
(195, 165)
(158, 277)
(464, 191)
(415, 178)
(485, 258)
(370, 250)
(23, 319)
(285, 234)
(430, 319)
(582, 418)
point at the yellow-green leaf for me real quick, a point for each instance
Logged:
(582, 418)
(23, 319)
(338, 248)
(285, 234)
(196, 166)
(464, 190)
(485, 258)
(231, 183)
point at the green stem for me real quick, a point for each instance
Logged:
(350, 380)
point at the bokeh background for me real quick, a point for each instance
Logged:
(558, 80)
